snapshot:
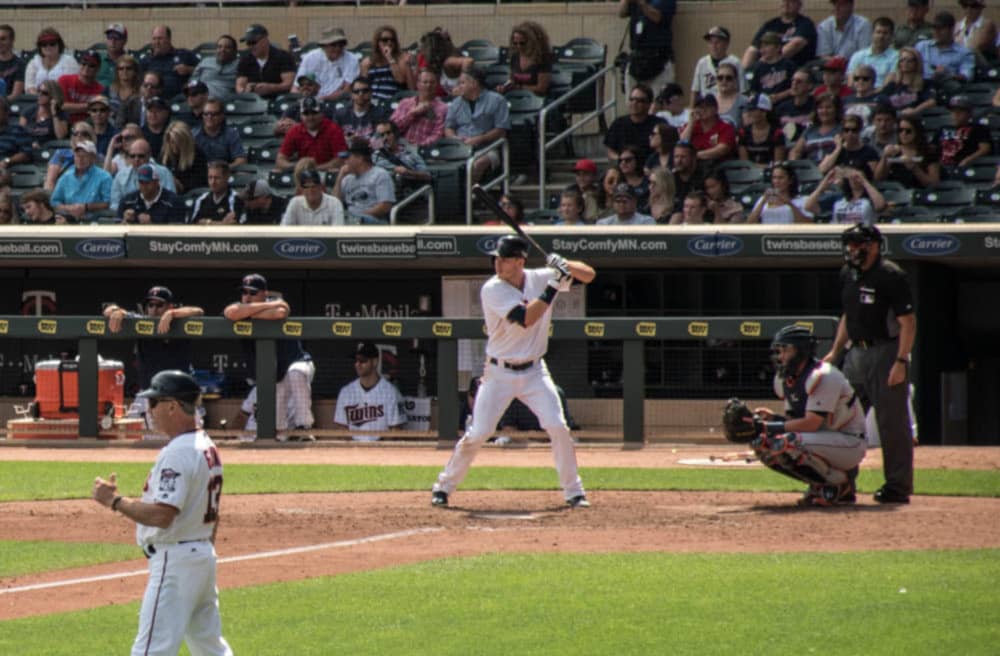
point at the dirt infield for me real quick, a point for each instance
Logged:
(343, 532)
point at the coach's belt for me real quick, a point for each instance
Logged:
(870, 343)
(513, 366)
(150, 550)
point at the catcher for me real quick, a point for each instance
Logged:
(820, 438)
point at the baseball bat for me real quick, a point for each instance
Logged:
(492, 205)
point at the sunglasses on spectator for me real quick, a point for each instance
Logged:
(386, 39)
(626, 159)
(47, 45)
(725, 77)
(862, 78)
(906, 130)
(518, 43)
(211, 114)
(309, 112)
(43, 92)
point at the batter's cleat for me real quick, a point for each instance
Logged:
(439, 499)
(578, 501)
(887, 495)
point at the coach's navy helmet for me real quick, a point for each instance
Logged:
(172, 384)
(510, 246)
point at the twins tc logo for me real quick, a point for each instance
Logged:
(168, 481)
(359, 415)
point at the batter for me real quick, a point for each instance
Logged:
(517, 309)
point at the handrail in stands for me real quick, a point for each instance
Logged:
(503, 178)
(425, 190)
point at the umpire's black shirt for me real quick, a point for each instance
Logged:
(874, 299)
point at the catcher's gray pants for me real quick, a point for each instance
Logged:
(823, 457)
(867, 369)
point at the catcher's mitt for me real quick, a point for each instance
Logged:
(738, 422)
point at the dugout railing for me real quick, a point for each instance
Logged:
(88, 332)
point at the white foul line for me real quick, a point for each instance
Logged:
(231, 559)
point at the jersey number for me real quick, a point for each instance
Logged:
(214, 492)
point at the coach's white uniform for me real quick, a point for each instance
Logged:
(181, 602)
(377, 408)
(515, 369)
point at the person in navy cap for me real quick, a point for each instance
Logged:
(151, 202)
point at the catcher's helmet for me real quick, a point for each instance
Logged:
(510, 246)
(173, 384)
(805, 347)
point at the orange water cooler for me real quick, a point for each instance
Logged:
(57, 390)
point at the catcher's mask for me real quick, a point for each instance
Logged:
(799, 337)
(865, 237)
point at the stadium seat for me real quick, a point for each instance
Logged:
(739, 178)
(524, 106)
(582, 50)
(402, 93)
(935, 118)
(244, 104)
(978, 174)
(988, 197)
(446, 149)
(749, 196)
(483, 51)
(50, 147)
(981, 214)
(913, 214)
(264, 153)
(363, 49)
(256, 132)
(497, 74)
(188, 197)
(806, 171)
(562, 81)
(946, 196)
(23, 105)
(900, 197)
(206, 49)
(26, 177)
(542, 217)
(279, 105)
(281, 180)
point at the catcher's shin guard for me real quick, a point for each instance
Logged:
(783, 454)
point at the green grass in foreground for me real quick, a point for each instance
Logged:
(18, 558)
(21, 481)
(913, 603)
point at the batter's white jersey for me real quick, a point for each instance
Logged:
(378, 408)
(828, 391)
(509, 340)
(187, 475)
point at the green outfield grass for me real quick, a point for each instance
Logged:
(18, 558)
(912, 603)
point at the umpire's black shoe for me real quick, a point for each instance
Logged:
(439, 499)
(579, 501)
(887, 495)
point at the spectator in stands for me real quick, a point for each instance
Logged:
(81, 87)
(389, 68)
(304, 164)
(513, 208)
(192, 111)
(395, 157)
(670, 106)
(38, 210)
(880, 55)
(47, 120)
(125, 92)
(421, 118)
(861, 202)
(759, 141)
(781, 203)
(975, 31)
(51, 62)
(687, 176)
(652, 42)
(151, 203)
(180, 155)
(152, 87)
(843, 33)
(632, 175)
(772, 73)
(916, 28)
(334, 65)
(157, 119)
(906, 90)
(8, 211)
(794, 113)
(115, 38)
(882, 131)
(263, 68)
(15, 144)
(634, 128)
(945, 61)
(358, 119)
(84, 188)
(439, 54)
(127, 179)
(215, 139)
(174, 65)
(571, 209)
(713, 139)
(662, 195)
(220, 205)
(588, 187)
(11, 66)
(819, 139)
(365, 189)
(731, 102)
(797, 32)
(116, 156)
(314, 207)
(219, 73)
(62, 159)
(705, 79)
(316, 136)
(625, 209)
(966, 140)
(531, 60)
(308, 88)
(850, 151)
(720, 205)
(694, 210)
(865, 98)
(833, 78)
(609, 181)
(99, 111)
(913, 162)
(478, 117)
(262, 206)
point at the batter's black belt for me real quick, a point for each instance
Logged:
(870, 343)
(149, 550)
(513, 366)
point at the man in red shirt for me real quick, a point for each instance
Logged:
(315, 136)
(79, 89)
(713, 139)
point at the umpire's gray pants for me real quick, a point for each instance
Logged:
(867, 369)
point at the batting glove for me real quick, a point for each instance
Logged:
(557, 262)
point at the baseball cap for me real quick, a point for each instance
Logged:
(917, 3)
(254, 33)
(943, 19)
(358, 146)
(156, 101)
(90, 57)
(623, 189)
(960, 102)
(256, 189)
(367, 350)
(971, 3)
(87, 146)
(309, 176)
(332, 35)
(838, 64)
(760, 101)
(195, 87)
(308, 104)
(116, 29)
(585, 165)
(160, 293)
(771, 37)
(146, 173)
(254, 282)
(718, 31)
(99, 100)
(307, 77)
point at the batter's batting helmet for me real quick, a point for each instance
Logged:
(510, 246)
(172, 384)
(802, 339)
